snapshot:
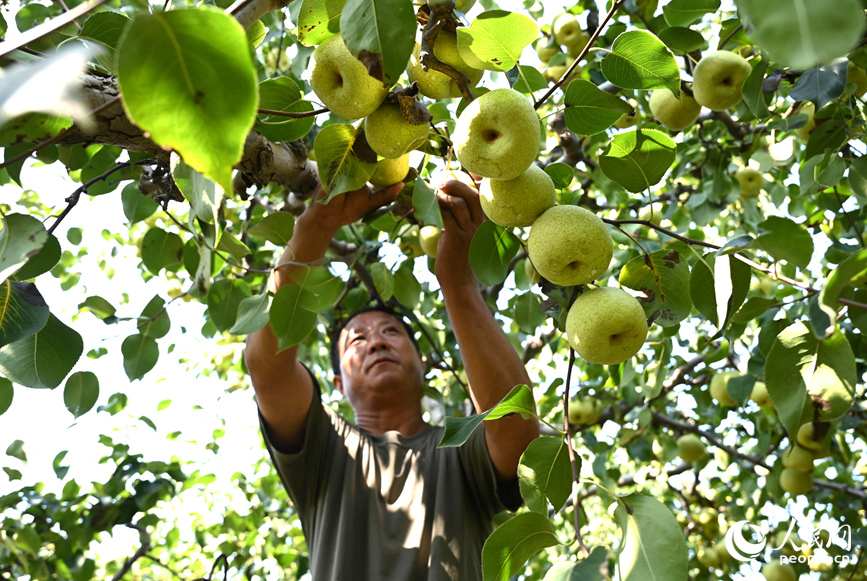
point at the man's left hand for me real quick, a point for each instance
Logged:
(462, 215)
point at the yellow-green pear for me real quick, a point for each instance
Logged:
(799, 458)
(566, 29)
(545, 51)
(606, 325)
(429, 238)
(796, 482)
(690, 448)
(777, 571)
(807, 437)
(553, 73)
(437, 85)
(628, 120)
(341, 81)
(751, 181)
(719, 386)
(390, 171)
(707, 557)
(718, 78)
(497, 135)
(585, 411)
(760, 394)
(858, 76)
(532, 273)
(389, 133)
(464, 5)
(570, 245)
(577, 45)
(671, 113)
(517, 202)
(809, 109)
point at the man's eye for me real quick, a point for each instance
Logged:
(356, 339)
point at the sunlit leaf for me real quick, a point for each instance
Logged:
(496, 39)
(507, 549)
(638, 159)
(639, 60)
(42, 359)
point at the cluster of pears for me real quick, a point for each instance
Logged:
(497, 138)
(719, 390)
(797, 475)
(568, 35)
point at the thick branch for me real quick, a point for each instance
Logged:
(247, 12)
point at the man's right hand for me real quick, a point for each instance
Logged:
(347, 208)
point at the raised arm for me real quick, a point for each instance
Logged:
(493, 366)
(284, 390)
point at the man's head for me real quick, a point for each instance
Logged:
(375, 352)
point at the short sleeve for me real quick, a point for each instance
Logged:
(490, 494)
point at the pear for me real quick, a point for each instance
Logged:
(518, 202)
(809, 109)
(437, 85)
(585, 411)
(708, 557)
(628, 120)
(389, 133)
(567, 29)
(545, 51)
(497, 135)
(719, 385)
(690, 448)
(390, 171)
(751, 181)
(777, 571)
(807, 437)
(796, 482)
(671, 113)
(858, 76)
(760, 394)
(429, 238)
(799, 458)
(341, 81)
(570, 245)
(718, 78)
(606, 325)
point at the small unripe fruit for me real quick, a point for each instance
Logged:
(690, 448)
(795, 481)
(806, 437)
(429, 238)
(777, 571)
(708, 557)
(799, 458)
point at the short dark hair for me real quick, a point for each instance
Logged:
(335, 335)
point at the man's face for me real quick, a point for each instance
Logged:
(377, 357)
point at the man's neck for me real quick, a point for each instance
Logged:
(407, 422)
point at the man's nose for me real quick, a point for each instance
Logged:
(377, 343)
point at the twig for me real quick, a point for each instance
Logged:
(47, 28)
(293, 114)
(729, 37)
(583, 54)
(851, 221)
(440, 13)
(144, 548)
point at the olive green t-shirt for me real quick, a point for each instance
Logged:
(388, 507)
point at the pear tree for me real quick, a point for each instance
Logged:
(676, 247)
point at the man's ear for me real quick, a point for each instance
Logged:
(338, 383)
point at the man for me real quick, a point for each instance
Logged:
(377, 500)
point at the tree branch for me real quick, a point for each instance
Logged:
(144, 548)
(48, 27)
(440, 13)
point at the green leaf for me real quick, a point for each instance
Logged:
(319, 19)
(42, 359)
(821, 85)
(785, 240)
(290, 321)
(752, 309)
(560, 173)
(661, 279)
(496, 39)
(136, 205)
(154, 320)
(140, 354)
(196, 64)
(252, 314)
(425, 205)
(492, 249)
(528, 314)
(204, 196)
(276, 228)
(382, 280)
(16, 450)
(533, 76)
(224, 299)
(256, 34)
(590, 110)
(545, 472)
(717, 292)
(682, 40)
(802, 34)
(43, 261)
(282, 94)
(829, 135)
(319, 288)
(21, 238)
(519, 400)
(407, 289)
(339, 167)
(638, 159)
(852, 269)
(236, 249)
(858, 177)
(7, 391)
(29, 128)
(106, 29)
(161, 249)
(510, 546)
(381, 34)
(81, 392)
(753, 91)
(653, 547)
(23, 311)
(803, 371)
(593, 568)
(639, 60)
(100, 307)
(102, 161)
(685, 12)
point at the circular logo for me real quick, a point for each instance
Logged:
(740, 548)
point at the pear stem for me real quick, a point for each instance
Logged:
(439, 17)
